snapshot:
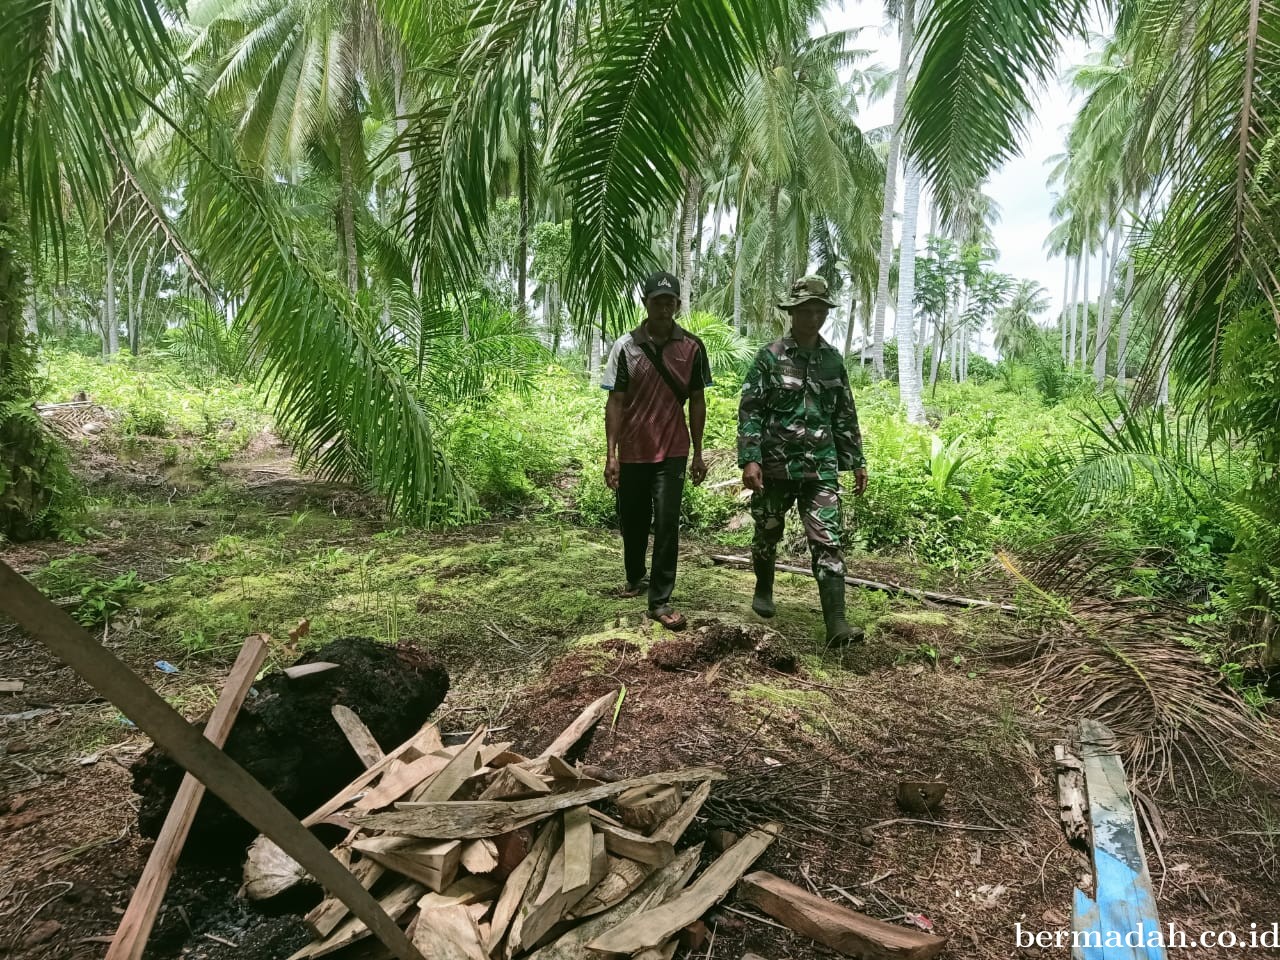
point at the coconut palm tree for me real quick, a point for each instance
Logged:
(1016, 327)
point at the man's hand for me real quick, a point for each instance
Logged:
(698, 470)
(860, 481)
(611, 473)
(752, 477)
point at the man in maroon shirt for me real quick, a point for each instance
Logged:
(651, 372)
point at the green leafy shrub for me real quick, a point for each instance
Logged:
(89, 595)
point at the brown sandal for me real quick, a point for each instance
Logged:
(669, 618)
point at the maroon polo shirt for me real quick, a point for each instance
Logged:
(653, 426)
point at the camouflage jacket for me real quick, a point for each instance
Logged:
(797, 418)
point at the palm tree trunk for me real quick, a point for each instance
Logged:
(910, 388)
(27, 454)
(848, 329)
(771, 270)
(553, 315)
(1070, 357)
(135, 321)
(906, 31)
(1066, 292)
(1099, 344)
(1126, 317)
(739, 322)
(697, 252)
(1084, 313)
(1104, 311)
(522, 253)
(692, 204)
(408, 175)
(110, 313)
(347, 208)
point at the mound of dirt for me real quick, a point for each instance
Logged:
(286, 737)
(717, 641)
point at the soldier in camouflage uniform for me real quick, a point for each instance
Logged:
(797, 429)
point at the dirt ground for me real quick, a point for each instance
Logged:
(803, 732)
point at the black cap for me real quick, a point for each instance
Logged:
(660, 284)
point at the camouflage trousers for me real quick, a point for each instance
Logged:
(818, 502)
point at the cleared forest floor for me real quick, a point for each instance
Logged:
(525, 617)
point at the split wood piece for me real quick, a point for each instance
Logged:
(654, 927)
(532, 925)
(578, 729)
(479, 856)
(358, 735)
(400, 780)
(461, 893)
(634, 846)
(930, 595)
(309, 669)
(446, 782)
(626, 875)
(513, 782)
(11, 686)
(46, 622)
(395, 904)
(646, 807)
(417, 746)
(512, 847)
(834, 925)
(432, 863)
(269, 871)
(492, 751)
(521, 879)
(1073, 809)
(572, 945)
(577, 850)
(1123, 899)
(144, 906)
(449, 933)
(471, 819)
(505, 759)
(329, 912)
(568, 777)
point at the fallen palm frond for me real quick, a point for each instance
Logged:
(794, 794)
(1150, 675)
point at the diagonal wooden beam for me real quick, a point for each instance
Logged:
(135, 927)
(227, 779)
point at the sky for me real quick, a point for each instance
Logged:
(1019, 187)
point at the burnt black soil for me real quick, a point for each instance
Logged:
(286, 737)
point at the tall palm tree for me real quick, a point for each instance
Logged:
(1016, 328)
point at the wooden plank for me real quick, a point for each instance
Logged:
(449, 933)
(634, 846)
(572, 945)
(479, 856)
(469, 819)
(358, 735)
(395, 905)
(1123, 897)
(463, 764)
(513, 782)
(401, 780)
(325, 916)
(834, 925)
(144, 906)
(309, 669)
(1072, 807)
(462, 892)
(419, 744)
(531, 927)
(50, 625)
(626, 875)
(654, 927)
(578, 729)
(432, 863)
(517, 885)
(645, 811)
(577, 848)
(11, 686)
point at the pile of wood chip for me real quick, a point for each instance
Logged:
(484, 854)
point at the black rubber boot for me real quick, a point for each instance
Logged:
(839, 633)
(762, 602)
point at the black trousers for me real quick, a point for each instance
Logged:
(649, 495)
